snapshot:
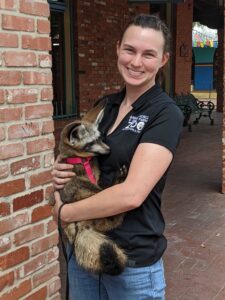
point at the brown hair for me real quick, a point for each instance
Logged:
(153, 22)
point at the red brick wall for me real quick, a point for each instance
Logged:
(100, 24)
(183, 36)
(28, 237)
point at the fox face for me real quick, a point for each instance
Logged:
(85, 137)
(82, 138)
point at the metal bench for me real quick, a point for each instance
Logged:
(190, 105)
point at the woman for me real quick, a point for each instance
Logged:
(142, 126)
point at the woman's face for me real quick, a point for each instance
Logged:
(140, 56)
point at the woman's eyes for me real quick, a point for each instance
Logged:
(146, 55)
(129, 50)
(149, 55)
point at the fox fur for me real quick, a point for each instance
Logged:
(94, 251)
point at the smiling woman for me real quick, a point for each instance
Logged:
(142, 126)
(140, 56)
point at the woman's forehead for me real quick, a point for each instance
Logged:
(149, 36)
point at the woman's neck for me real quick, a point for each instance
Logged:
(133, 93)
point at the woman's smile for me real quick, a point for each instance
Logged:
(135, 73)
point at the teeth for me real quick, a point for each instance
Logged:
(136, 73)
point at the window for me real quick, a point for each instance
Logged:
(63, 69)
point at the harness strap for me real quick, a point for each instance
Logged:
(85, 162)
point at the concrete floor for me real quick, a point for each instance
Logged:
(194, 209)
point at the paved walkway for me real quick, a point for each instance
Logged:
(194, 210)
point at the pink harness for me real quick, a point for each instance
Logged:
(85, 163)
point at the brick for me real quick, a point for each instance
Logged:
(32, 265)
(21, 131)
(43, 26)
(11, 150)
(18, 23)
(12, 187)
(54, 286)
(5, 243)
(28, 200)
(20, 59)
(49, 160)
(18, 292)
(38, 111)
(29, 234)
(2, 96)
(47, 127)
(53, 254)
(8, 4)
(25, 165)
(14, 258)
(4, 209)
(8, 40)
(48, 191)
(45, 61)
(44, 275)
(10, 78)
(43, 244)
(38, 295)
(10, 114)
(30, 77)
(2, 136)
(6, 280)
(11, 223)
(47, 94)
(21, 95)
(40, 179)
(51, 226)
(34, 8)
(41, 212)
(40, 145)
(36, 43)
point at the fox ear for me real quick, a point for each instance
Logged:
(99, 117)
(75, 133)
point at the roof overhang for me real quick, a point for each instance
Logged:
(209, 13)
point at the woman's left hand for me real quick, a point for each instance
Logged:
(55, 210)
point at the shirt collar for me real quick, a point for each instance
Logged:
(116, 99)
(148, 96)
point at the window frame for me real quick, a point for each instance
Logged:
(60, 7)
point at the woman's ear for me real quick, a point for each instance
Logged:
(165, 58)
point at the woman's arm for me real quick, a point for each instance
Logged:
(148, 165)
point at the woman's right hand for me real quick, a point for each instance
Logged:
(61, 173)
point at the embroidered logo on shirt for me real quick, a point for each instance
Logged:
(136, 123)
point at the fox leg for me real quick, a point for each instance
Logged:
(70, 232)
(107, 224)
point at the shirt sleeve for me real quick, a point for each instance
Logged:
(165, 129)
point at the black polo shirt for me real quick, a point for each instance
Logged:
(154, 118)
